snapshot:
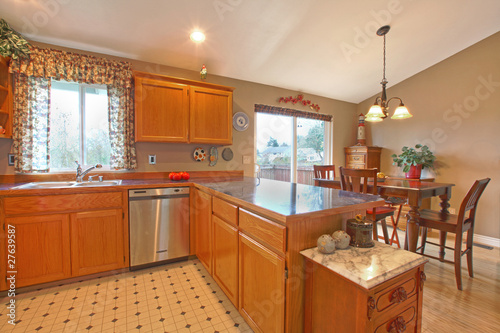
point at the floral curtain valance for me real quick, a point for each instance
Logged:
(291, 112)
(62, 65)
(32, 76)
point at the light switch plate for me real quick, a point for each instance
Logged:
(152, 159)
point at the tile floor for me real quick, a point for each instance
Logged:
(178, 297)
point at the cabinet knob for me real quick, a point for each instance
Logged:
(398, 325)
(371, 307)
(399, 295)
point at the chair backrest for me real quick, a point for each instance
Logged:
(469, 203)
(324, 171)
(356, 180)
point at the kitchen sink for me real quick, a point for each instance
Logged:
(42, 185)
(103, 183)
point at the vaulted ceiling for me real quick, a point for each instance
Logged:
(323, 47)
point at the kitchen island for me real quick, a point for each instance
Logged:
(247, 232)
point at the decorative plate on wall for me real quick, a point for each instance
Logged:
(227, 154)
(199, 154)
(214, 156)
(240, 121)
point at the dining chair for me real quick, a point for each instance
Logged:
(324, 171)
(356, 180)
(457, 224)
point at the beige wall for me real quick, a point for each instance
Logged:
(456, 112)
(178, 157)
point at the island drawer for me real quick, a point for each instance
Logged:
(225, 211)
(60, 203)
(264, 230)
(399, 291)
(403, 321)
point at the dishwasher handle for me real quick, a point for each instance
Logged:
(154, 192)
(159, 197)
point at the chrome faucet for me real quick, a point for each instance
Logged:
(80, 174)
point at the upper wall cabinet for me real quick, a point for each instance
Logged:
(169, 109)
(5, 99)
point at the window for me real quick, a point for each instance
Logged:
(79, 125)
(280, 156)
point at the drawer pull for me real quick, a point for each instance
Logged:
(371, 307)
(398, 325)
(356, 158)
(422, 280)
(399, 295)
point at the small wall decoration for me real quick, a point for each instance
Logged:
(199, 154)
(300, 99)
(240, 121)
(227, 154)
(214, 156)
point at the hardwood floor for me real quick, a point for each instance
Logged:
(476, 308)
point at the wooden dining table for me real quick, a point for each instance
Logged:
(414, 191)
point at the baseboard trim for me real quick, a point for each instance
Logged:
(486, 240)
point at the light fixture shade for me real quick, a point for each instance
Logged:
(401, 113)
(373, 119)
(375, 114)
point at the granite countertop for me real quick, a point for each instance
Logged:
(367, 267)
(289, 199)
(279, 199)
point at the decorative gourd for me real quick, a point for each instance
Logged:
(342, 239)
(326, 244)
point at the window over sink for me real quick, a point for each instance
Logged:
(79, 125)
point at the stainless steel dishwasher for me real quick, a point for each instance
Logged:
(159, 225)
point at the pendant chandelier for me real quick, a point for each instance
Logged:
(379, 110)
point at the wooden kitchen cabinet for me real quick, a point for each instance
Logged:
(42, 248)
(225, 258)
(262, 286)
(336, 304)
(96, 241)
(161, 111)
(5, 98)
(203, 228)
(63, 236)
(170, 109)
(362, 157)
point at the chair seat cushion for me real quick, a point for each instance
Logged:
(381, 210)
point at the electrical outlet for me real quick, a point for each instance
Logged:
(247, 159)
(451, 210)
(152, 159)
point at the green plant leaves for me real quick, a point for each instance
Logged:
(12, 44)
(411, 156)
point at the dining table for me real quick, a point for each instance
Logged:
(414, 191)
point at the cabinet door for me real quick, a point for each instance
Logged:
(203, 214)
(97, 241)
(262, 286)
(161, 111)
(42, 248)
(211, 113)
(225, 258)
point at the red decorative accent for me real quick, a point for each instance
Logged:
(415, 172)
(300, 99)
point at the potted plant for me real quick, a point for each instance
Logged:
(413, 160)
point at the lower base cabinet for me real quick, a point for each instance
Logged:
(262, 286)
(42, 248)
(225, 258)
(336, 304)
(96, 241)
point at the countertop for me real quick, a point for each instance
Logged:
(367, 267)
(279, 199)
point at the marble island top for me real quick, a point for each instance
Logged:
(289, 199)
(367, 267)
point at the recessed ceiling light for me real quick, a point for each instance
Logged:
(197, 36)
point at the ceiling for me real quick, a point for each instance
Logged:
(323, 47)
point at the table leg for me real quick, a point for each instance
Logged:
(412, 229)
(442, 234)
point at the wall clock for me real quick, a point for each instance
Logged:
(240, 121)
